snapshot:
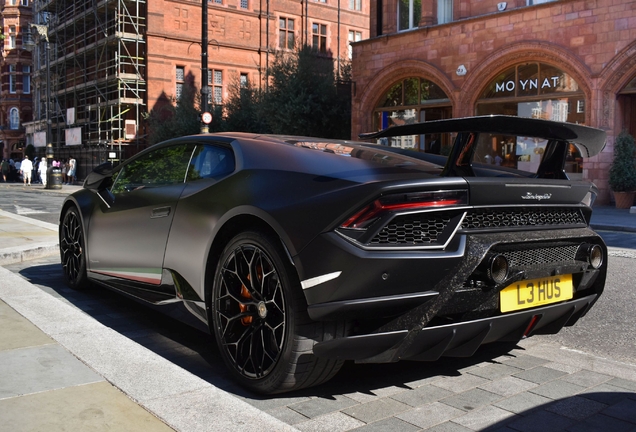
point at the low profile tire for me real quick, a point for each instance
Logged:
(260, 321)
(72, 250)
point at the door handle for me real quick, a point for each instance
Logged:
(159, 212)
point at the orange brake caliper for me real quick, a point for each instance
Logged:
(247, 320)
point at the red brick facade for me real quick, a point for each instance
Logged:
(594, 42)
(16, 68)
(238, 37)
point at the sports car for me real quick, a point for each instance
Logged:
(301, 253)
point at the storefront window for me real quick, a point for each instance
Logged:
(413, 100)
(630, 87)
(530, 79)
(533, 90)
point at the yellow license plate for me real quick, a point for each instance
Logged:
(536, 292)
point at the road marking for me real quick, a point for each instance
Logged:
(25, 210)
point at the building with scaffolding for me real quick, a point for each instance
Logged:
(90, 78)
(110, 62)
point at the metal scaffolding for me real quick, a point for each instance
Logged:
(97, 72)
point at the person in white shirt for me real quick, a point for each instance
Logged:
(43, 167)
(26, 168)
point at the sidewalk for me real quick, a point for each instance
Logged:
(63, 370)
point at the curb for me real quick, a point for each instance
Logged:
(18, 254)
(145, 375)
(618, 228)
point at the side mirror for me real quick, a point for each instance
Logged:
(100, 178)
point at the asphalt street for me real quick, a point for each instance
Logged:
(34, 202)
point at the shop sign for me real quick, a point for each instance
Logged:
(527, 84)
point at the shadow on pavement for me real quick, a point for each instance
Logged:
(596, 411)
(197, 352)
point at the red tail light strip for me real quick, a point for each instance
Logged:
(373, 210)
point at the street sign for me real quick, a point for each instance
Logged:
(206, 117)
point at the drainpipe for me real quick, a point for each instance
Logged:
(338, 51)
(205, 89)
(267, 50)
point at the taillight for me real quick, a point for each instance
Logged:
(412, 201)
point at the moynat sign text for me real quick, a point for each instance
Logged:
(528, 84)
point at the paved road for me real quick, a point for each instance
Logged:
(32, 202)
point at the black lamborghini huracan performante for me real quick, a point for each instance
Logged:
(300, 253)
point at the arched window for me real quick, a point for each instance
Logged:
(14, 118)
(411, 100)
(533, 90)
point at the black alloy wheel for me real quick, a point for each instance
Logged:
(260, 321)
(72, 251)
(251, 311)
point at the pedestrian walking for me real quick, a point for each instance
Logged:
(5, 168)
(26, 167)
(64, 167)
(35, 177)
(72, 168)
(43, 170)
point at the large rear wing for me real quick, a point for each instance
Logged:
(589, 141)
(464, 151)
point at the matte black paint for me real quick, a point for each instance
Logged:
(302, 195)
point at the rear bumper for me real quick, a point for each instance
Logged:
(454, 340)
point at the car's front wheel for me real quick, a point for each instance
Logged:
(260, 321)
(72, 251)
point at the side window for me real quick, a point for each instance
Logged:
(210, 161)
(162, 167)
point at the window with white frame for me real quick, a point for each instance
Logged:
(26, 79)
(14, 118)
(12, 37)
(216, 1)
(444, 11)
(25, 2)
(179, 77)
(215, 82)
(286, 35)
(244, 80)
(535, 2)
(12, 79)
(355, 5)
(319, 37)
(580, 106)
(244, 4)
(408, 14)
(354, 36)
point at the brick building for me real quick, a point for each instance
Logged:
(15, 67)
(112, 61)
(244, 36)
(566, 60)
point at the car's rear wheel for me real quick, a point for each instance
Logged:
(260, 321)
(72, 251)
